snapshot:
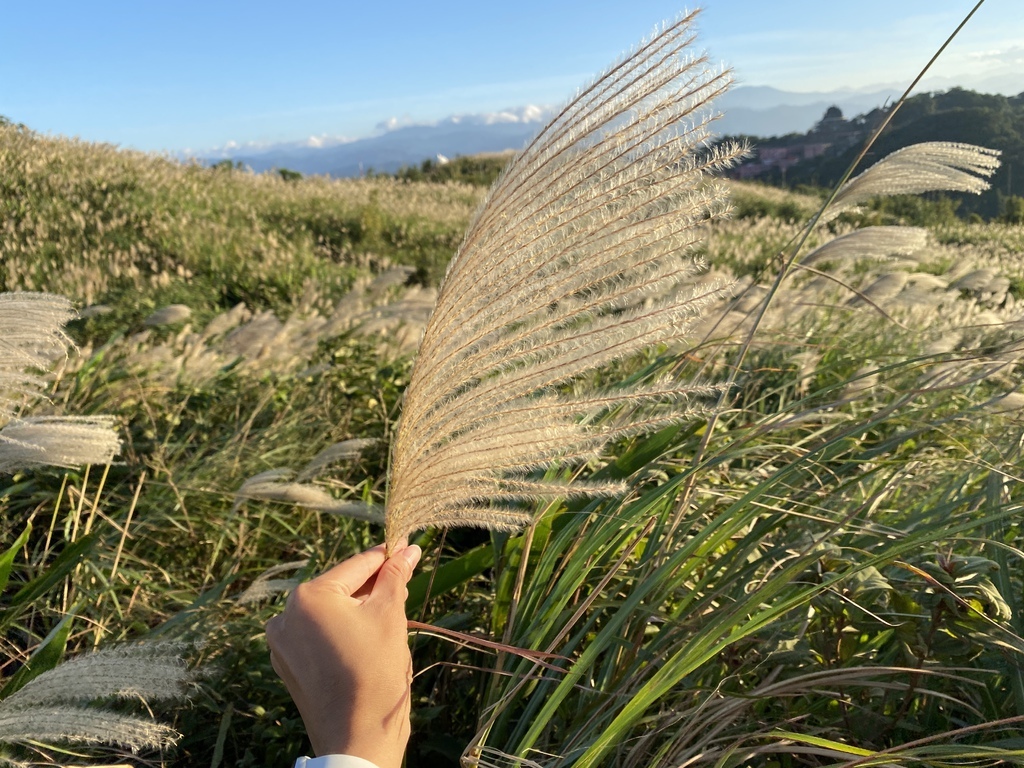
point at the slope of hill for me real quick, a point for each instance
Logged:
(102, 225)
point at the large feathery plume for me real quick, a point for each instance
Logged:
(580, 256)
(926, 167)
(51, 707)
(147, 671)
(31, 338)
(869, 243)
(78, 725)
(61, 441)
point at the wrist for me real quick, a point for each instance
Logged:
(382, 750)
(334, 761)
(371, 724)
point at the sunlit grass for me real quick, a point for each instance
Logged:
(840, 571)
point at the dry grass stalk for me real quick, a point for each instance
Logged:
(578, 258)
(346, 450)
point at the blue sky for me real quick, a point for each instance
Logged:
(198, 75)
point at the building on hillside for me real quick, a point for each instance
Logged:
(831, 135)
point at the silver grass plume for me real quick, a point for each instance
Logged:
(50, 708)
(870, 243)
(927, 167)
(148, 671)
(1011, 402)
(275, 485)
(31, 338)
(882, 289)
(62, 441)
(580, 256)
(83, 726)
(173, 313)
(265, 585)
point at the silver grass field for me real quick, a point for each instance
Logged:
(742, 486)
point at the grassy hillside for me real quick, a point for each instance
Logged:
(832, 564)
(101, 226)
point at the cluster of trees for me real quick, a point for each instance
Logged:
(958, 115)
(480, 170)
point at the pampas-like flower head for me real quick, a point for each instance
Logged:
(51, 708)
(925, 167)
(62, 441)
(580, 256)
(31, 337)
(276, 485)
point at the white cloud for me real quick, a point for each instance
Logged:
(232, 148)
(393, 123)
(984, 54)
(325, 140)
(529, 114)
(1009, 55)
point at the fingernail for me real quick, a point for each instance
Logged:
(412, 555)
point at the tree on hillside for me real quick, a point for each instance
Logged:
(480, 170)
(957, 115)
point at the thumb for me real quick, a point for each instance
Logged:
(395, 574)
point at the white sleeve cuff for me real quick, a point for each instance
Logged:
(333, 761)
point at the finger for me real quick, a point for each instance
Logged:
(395, 574)
(275, 627)
(349, 576)
(273, 630)
(364, 591)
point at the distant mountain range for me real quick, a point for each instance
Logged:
(749, 110)
(397, 145)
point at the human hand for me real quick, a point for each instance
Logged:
(341, 647)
